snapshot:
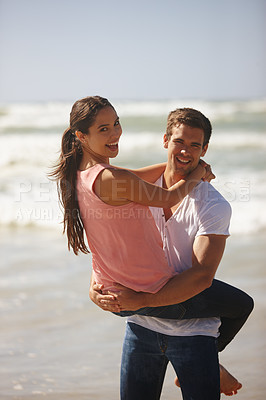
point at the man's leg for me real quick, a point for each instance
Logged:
(196, 364)
(143, 365)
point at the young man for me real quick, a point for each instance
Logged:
(194, 233)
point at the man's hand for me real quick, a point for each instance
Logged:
(127, 298)
(106, 302)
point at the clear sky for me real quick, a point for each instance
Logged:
(132, 49)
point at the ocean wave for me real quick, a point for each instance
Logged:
(233, 140)
(28, 151)
(246, 218)
(32, 200)
(214, 110)
(19, 152)
(55, 115)
(238, 139)
(28, 117)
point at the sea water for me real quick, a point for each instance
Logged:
(54, 342)
(30, 142)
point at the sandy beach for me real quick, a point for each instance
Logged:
(57, 345)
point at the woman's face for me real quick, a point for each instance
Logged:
(104, 134)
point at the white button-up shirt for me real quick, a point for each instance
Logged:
(204, 211)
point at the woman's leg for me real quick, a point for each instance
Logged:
(222, 300)
(232, 305)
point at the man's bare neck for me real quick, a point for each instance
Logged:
(169, 179)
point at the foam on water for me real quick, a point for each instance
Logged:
(31, 136)
(49, 328)
(56, 114)
(17, 117)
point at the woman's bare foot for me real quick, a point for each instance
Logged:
(229, 384)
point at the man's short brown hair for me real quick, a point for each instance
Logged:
(190, 117)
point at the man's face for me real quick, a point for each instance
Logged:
(185, 147)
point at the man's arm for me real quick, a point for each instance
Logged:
(206, 256)
(207, 253)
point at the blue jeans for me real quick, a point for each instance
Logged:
(145, 357)
(232, 305)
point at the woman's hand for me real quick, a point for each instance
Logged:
(106, 302)
(209, 175)
(122, 299)
(127, 298)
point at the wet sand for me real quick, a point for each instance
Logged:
(56, 344)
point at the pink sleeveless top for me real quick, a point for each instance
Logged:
(124, 241)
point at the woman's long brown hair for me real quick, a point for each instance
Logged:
(82, 116)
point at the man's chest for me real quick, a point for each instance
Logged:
(169, 212)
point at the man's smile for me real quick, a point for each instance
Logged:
(182, 160)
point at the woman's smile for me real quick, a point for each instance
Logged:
(112, 146)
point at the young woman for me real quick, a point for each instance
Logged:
(111, 205)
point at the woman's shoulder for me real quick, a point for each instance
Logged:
(95, 167)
